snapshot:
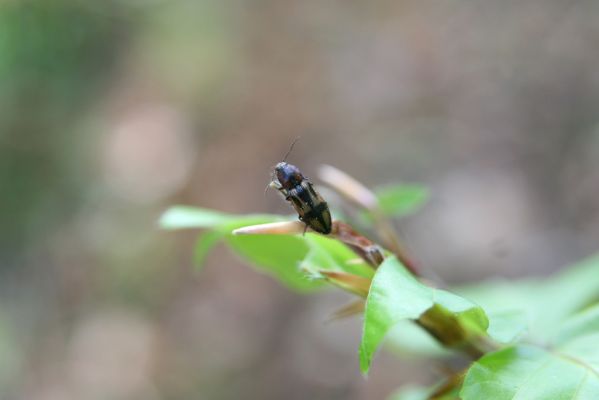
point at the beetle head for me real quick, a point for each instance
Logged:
(288, 175)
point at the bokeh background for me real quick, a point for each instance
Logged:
(111, 111)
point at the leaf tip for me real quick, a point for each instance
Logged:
(165, 219)
(365, 356)
(364, 364)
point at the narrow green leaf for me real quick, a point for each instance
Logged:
(181, 217)
(395, 295)
(402, 199)
(204, 244)
(529, 372)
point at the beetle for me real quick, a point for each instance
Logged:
(298, 190)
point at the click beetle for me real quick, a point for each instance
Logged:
(298, 190)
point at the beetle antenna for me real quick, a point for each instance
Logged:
(290, 148)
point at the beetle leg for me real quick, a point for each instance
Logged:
(272, 184)
(275, 185)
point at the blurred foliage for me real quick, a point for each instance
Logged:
(400, 200)
(10, 362)
(55, 57)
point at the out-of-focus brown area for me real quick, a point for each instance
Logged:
(111, 111)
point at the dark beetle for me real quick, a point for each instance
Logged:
(310, 206)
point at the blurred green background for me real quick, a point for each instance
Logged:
(110, 111)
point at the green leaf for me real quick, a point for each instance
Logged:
(277, 255)
(395, 295)
(569, 291)
(287, 257)
(204, 244)
(184, 217)
(544, 304)
(407, 338)
(181, 217)
(584, 349)
(400, 200)
(583, 323)
(529, 308)
(330, 254)
(529, 372)
(507, 326)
